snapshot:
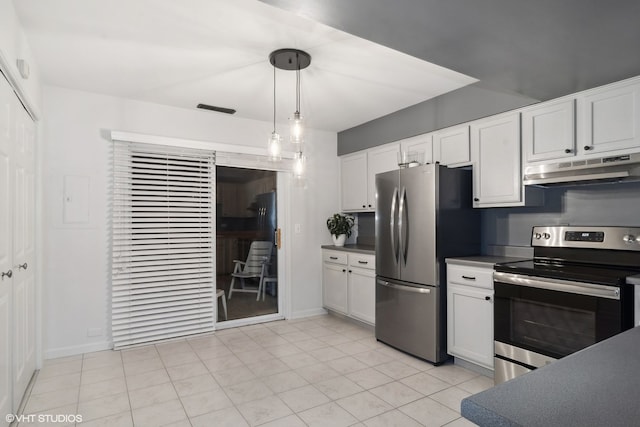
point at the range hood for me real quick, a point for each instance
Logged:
(600, 170)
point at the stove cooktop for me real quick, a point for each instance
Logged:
(566, 271)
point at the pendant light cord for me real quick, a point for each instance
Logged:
(297, 83)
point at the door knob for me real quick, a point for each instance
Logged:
(9, 273)
(19, 266)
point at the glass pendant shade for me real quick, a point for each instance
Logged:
(299, 165)
(275, 146)
(297, 129)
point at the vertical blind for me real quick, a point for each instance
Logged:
(162, 270)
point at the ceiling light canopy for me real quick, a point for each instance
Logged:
(290, 59)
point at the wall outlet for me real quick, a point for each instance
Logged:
(94, 332)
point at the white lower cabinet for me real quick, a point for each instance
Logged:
(348, 284)
(362, 294)
(334, 286)
(470, 314)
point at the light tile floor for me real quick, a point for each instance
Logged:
(320, 371)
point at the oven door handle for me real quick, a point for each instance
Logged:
(599, 291)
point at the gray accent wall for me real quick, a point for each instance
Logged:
(462, 105)
(603, 204)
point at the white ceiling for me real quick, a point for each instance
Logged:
(186, 52)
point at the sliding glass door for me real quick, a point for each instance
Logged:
(246, 247)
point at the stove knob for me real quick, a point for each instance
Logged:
(547, 236)
(629, 238)
(537, 236)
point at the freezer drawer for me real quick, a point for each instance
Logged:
(408, 318)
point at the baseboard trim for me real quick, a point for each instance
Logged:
(308, 313)
(77, 349)
(473, 367)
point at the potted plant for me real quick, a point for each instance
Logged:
(340, 226)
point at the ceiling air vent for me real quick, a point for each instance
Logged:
(218, 109)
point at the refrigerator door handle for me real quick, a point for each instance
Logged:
(402, 225)
(392, 223)
(404, 287)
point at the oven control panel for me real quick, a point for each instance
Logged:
(615, 238)
(584, 236)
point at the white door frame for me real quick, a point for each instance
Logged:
(284, 256)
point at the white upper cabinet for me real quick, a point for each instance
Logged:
(420, 145)
(548, 131)
(609, 118)
(379, 159)
(353, 177)
(495, 150)
(358, 172)
(451, 146)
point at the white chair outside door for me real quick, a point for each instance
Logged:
(255, 267)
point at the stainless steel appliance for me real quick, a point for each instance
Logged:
(266, 223)
(573, 294)
(423, 215)
(605, 169)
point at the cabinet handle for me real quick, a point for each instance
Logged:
(487, 298)
(567, 150)
(350, 271)
(9, 273)
(344, 270)
(475, 199)
(22, 266)
(364, 206)
(363, 262)
(469, 277)
(333, 257)
(587, 147)
(369, 205)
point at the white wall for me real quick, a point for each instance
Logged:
(76, 256)
(13, 45)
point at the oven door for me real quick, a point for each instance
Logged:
(554, 318)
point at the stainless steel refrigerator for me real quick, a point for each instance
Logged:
(267, 224)
(424, 214)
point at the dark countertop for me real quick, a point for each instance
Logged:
(361, 249)
(481, 260)
(597, 386)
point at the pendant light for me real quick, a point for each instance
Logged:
(299, 163)
(297, 126)
(275, 141)
(293, 60)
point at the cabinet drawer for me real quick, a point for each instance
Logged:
(362, 261)
(470, 276)
(336, 257)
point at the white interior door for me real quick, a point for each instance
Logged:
(23, 254)
(17, 249)
(6, 218)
